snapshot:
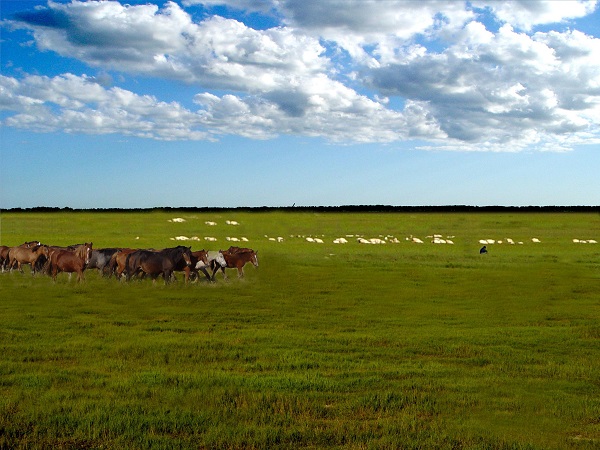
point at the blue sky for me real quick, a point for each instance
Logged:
(232, 103)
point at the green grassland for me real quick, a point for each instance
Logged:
(322, 346)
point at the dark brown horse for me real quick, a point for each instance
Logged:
(70, 261)
(236, 258)
(155, 263)
(24, 254)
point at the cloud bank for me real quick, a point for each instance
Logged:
(452, 75)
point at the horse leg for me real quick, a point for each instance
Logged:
(167, 276)
(203, 269)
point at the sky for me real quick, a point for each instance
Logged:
(247, 103)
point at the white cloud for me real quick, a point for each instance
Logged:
(458, 83)
(166, 43)
(512, 89)
(79, 105)
(525, 14)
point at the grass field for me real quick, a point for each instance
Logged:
(322, 346)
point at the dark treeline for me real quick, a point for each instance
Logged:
(345, 208)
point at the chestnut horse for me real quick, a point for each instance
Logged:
(62, 260)
(156, 263)
(236, 258)
(118, 260)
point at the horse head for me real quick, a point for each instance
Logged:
(85, 252)
(187, 256)
(220, 259)
(254, 258)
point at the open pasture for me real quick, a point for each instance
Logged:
(400, 345)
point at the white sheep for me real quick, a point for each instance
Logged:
(210, 223)
(210, 239)
(535, 240)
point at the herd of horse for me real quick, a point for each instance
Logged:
(125, 262)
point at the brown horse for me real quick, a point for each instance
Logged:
(4, 257)
(158, 263)
(236, 258)
(117, 262)
(24, 254)
(70, 261)
(198, 261)
(4, 253)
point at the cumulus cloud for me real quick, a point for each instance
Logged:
(526, 14)
(77, 104)
(344, 70)
(509, 88)
(143, 39)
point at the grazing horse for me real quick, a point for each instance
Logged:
(155, 263)
(236, 260)
(62, 260)
(26, 255)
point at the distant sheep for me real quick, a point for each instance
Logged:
(177, 219)
(211, 223)
(584, 241)
(210, 239)
(535, 240)
(231, 222)
(340, 241)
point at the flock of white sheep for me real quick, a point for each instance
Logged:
(389, 239)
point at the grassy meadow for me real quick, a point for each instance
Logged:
(397, 346)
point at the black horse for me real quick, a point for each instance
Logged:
(155, 263)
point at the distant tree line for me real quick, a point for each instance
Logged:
(344, 208)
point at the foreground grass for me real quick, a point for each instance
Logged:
(327, 346)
